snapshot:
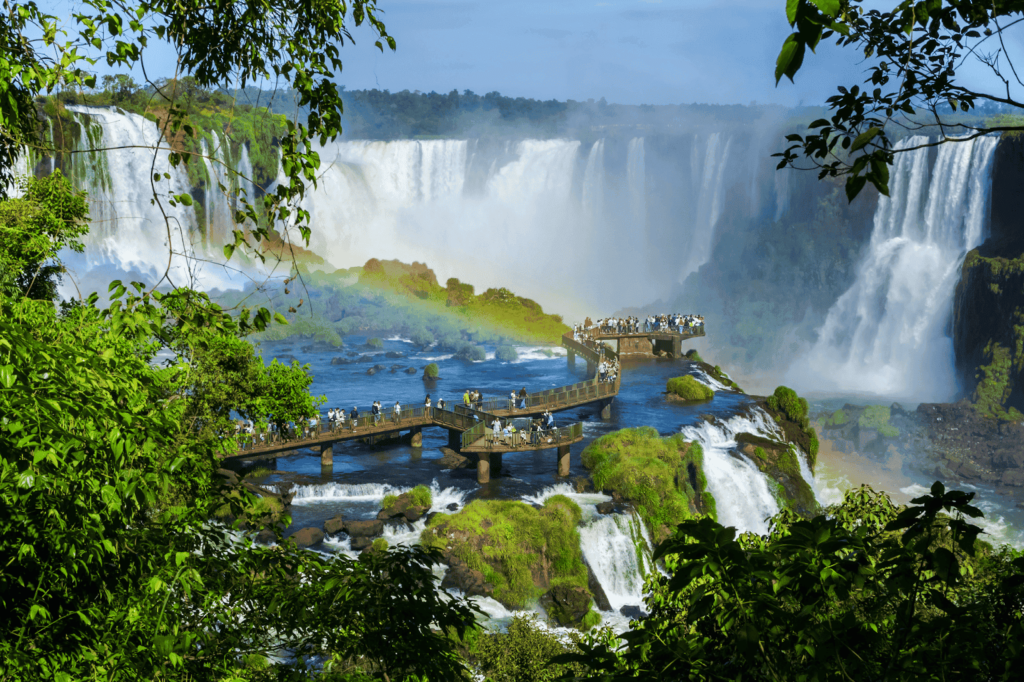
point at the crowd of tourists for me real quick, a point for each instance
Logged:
(675, 322)
(537, 433)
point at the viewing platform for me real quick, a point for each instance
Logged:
(470, 428)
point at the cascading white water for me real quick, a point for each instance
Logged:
(708, 159)
(610, 547)
(887, 335)
(741, 491)
(636, 180)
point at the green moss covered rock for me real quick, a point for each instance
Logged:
(876, 417)
(663, 478)
(687, 389)
(519, 552)
(790, 411)
(778, 462)
(506, 354)
(431, 371)
(375, 343)
(471, 353)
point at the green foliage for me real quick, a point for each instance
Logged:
(431, 371)
(662, 477)
(837, 419)
(112, 567)
(420, 496)
(375, 343)
(693, 356)
(507, 540)
(523, 653)
(689, 389)
(786, 400)
(303, 326)
(791, 411)
(996, 385)
(389, 501)
(864, 591)
(506, 354)
(379, 545)
(877, 417)
(49, 216)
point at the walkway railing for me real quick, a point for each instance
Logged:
(477, 437)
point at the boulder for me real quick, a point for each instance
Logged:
(265, 537)
(352, 354)
(361, 543)
(371, 371)
(632, 612)
(334, 525)
(394, 354)
(600, 597)
(605, 507)
(307, 537)
(566, 605)
(414, 513)
(410, 370)
(404, 508)
(454, 506)
(461, 577)
(399, 524)
(364, 529)
(453, 460)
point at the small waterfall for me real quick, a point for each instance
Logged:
(636, 180)
(740, 489)
(246, 188)
(707, 167)
(617, 549)
(593, 193)
(887, 335)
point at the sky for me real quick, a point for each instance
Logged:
(627, 51)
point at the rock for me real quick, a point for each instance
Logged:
(454, 506)
(229, 477)
(453, 460)
(566, 605)
(394, 354)
(352, 354)
(360, 543)
(364, 529)
(600, 598)
(371, 371)
(399, 524)
(605, 508)
(307, 349)
(632, 612)
(403, 507)
(414, 514)
(265, 537)
(307, 537)
(334, 525)
(339, 361)
(461, 577)
(394, 367)
(410, 370)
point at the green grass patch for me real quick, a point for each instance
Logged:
(508, 540)
(421, 496)
(389, 501)
(662, 477)
(996, 384)
(689, 389)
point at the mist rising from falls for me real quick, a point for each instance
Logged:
(887, 335)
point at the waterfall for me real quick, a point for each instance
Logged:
(593, 182)
(707, 167)
(636, 180)
(245, 183)
(616, 547)
(887, 335)
(738, 486)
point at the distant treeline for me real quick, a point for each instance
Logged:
(384, 115)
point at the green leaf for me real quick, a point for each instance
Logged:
(829, 7)
(280, 319)
(228, 250)
(864, 138)
(790, 58)
(792, 7)
(854, 184)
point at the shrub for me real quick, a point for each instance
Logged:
(688, 388)
(786, 400)
(421, 496)
(374, 343)
(379, 545)
(693, 356)
(524, 652)
(389, 501)
(431, 371)
(421, 337)
(506, 354)
(471, 353)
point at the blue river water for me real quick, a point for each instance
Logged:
(353, 486)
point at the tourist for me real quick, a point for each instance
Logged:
(506, 434)
(512, 401)
(355, 417)
(426, 406)
(496, 425)
(375, 411)
(522, 398)
(341, 419)
(396, 411)
(440, 403)
(465, 398)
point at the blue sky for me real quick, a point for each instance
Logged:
(628, 51)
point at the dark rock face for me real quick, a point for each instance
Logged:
(371, 371)
(969, 447)
(334, 525)
(364, 529)
(779, 463)
(454, 506)
(307, 537)
(462, 577)
(394, 354)
(340, 361)
(605, 508)
(566, 605)
(600, 598)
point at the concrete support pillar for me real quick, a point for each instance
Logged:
(496, 461)
(677, 347)
(606, 411)
(327, 455)
(417, 437)
(483, 467)
(454, 440)
(572, 359)
(563, 460)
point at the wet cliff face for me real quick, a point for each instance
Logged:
(988, 317)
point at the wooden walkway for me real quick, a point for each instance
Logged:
(470, 427)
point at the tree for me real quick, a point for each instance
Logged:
(49, 216)
(867, 591)
(912, 85)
